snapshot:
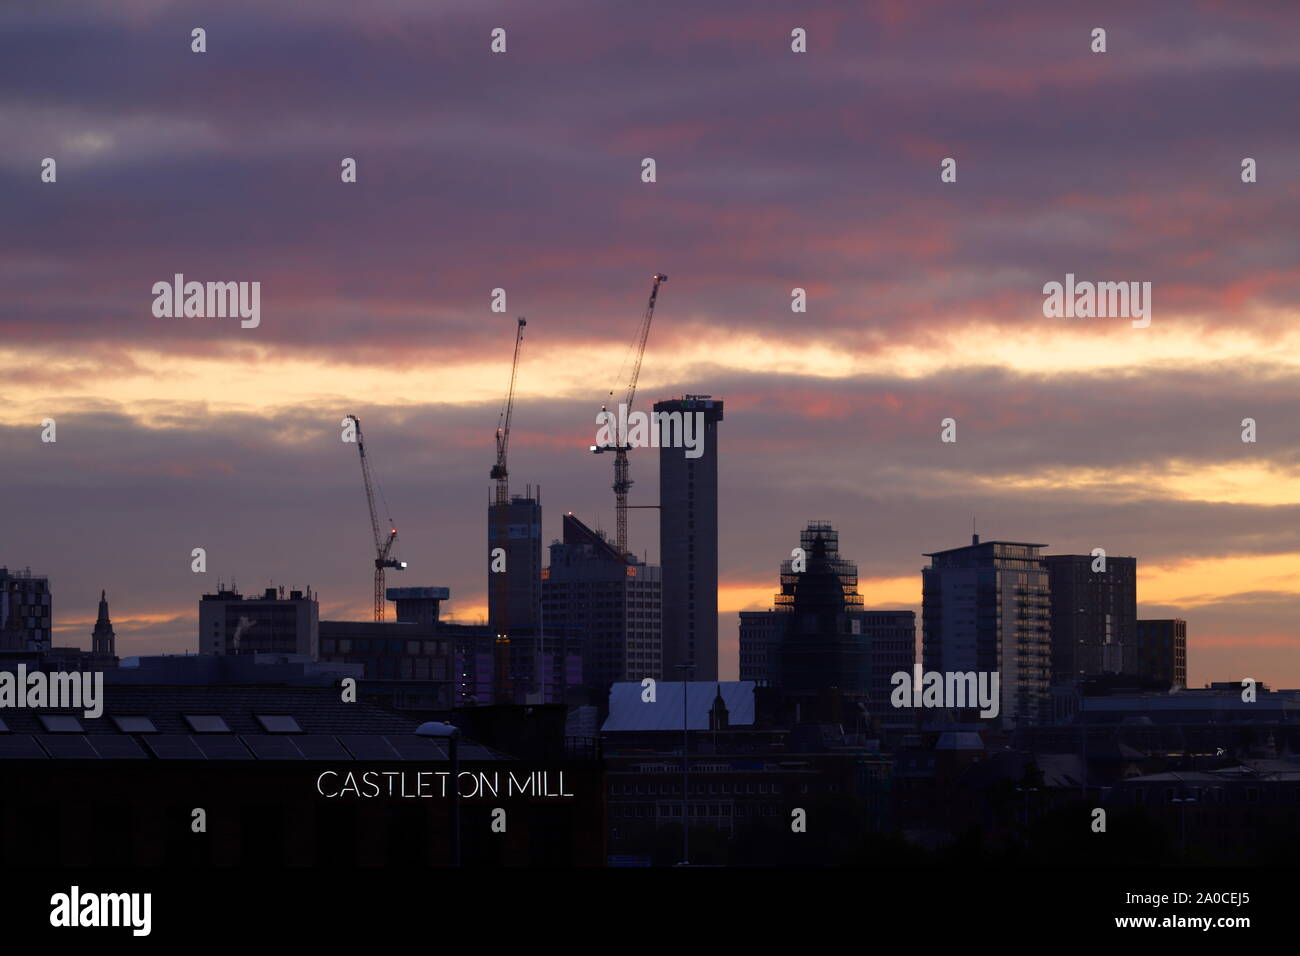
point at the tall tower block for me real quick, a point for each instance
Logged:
(688, 539)
(515, 594)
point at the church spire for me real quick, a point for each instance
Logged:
(719, 719)
(102, 639)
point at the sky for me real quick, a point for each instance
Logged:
(775, 170)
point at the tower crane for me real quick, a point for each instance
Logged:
(383, 546)
(499, 473)
(620, 448)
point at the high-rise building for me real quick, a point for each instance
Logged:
(1094, 615)
(515, 593)
(608, 602)
(987, 608)
(25, 614)
(688, 537)
(1161, 651)
(230, 623)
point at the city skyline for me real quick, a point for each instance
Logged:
(775, 172)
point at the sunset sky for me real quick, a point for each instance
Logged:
(775, 170)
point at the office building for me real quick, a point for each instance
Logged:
(1094, 615)
(891, 642)
(1161, 651)
(761, 636)
(230, 623)
(389, 650)
(610, 602)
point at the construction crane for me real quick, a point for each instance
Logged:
(383, 546)
(622, 483)
(499, 473)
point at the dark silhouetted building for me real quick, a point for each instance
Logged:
(1094, 616)
(515, 594)
(688, 540)
(101, 657)
(761, 635)
(393, 651)
(819, 637)
(25, 615)
(103, 641)
(230, 623)
(418, 605)
(987, 608)
(1162, 651)
(475, 662)
(608, 601)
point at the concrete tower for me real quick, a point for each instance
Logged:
(688, 541)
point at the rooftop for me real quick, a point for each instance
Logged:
(629, 713)
(223, 723)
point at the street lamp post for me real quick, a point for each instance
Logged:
(686, 788)
(451, 734)
(1182, 812)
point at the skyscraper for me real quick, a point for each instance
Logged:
(987, 608)
(1094, 615)
(515, 593)
(688, 542)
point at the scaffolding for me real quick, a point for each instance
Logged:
(821, 549)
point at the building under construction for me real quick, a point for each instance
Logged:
(515, 539)
(824, 651)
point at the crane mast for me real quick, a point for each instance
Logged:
(499, 472)
(383, 546)
(622, 481)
